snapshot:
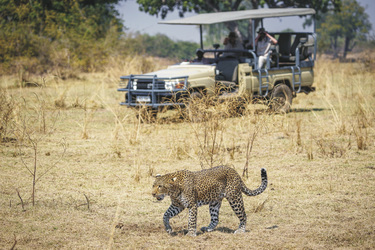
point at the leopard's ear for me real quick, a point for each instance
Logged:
(171, 182)
(158, 175)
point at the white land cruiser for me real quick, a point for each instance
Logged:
(289, 69)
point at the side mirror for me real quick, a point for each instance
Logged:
(216, 45)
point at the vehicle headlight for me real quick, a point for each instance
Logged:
(135, 84)
(175, 84)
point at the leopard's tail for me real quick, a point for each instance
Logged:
(260, 189)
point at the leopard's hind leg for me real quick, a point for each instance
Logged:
(236, 202)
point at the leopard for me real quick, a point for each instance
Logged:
(189, 189)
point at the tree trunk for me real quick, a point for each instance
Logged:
(334, 47)
(347, 47)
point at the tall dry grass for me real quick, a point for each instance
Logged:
(348, 95)
(319, 159)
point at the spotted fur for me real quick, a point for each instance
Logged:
(207, 187)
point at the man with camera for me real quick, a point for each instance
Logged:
(263, 43)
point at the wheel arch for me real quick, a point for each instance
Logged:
(285, 81)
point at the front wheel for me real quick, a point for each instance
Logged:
(281, 99)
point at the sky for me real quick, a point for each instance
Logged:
(137, 21)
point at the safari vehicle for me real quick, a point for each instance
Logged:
(288, 71)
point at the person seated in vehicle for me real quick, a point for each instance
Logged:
(200, 57)
(199, 54)
(263, 44)
(232, 42)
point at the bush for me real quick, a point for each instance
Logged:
(57, 34)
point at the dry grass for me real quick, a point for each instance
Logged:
(320, 160)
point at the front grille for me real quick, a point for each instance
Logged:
(147, 84)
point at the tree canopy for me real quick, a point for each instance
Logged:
(60, 36)
(162, 8)
(350, 24)
(160, 45)
(206, 6)
(66, 30)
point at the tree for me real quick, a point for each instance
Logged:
(350, 24)
(201, 6)
(206, 6)
(31, 131)
(40, 29)
(160, 46)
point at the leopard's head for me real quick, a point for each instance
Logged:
(162, 186)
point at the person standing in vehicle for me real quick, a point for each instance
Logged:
(263, 43)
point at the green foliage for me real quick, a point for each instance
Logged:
(162, 8)
(59, 33)
(160, 46)
(343, 28)
(155, 7)
(320, 6)
(62, 36)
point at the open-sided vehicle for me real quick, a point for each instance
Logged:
(288, 71)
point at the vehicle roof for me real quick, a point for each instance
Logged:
(220, 17)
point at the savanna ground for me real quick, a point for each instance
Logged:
(93, 163)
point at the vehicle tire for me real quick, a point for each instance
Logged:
(281, 99)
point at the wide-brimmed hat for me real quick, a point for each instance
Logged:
(262, 30)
